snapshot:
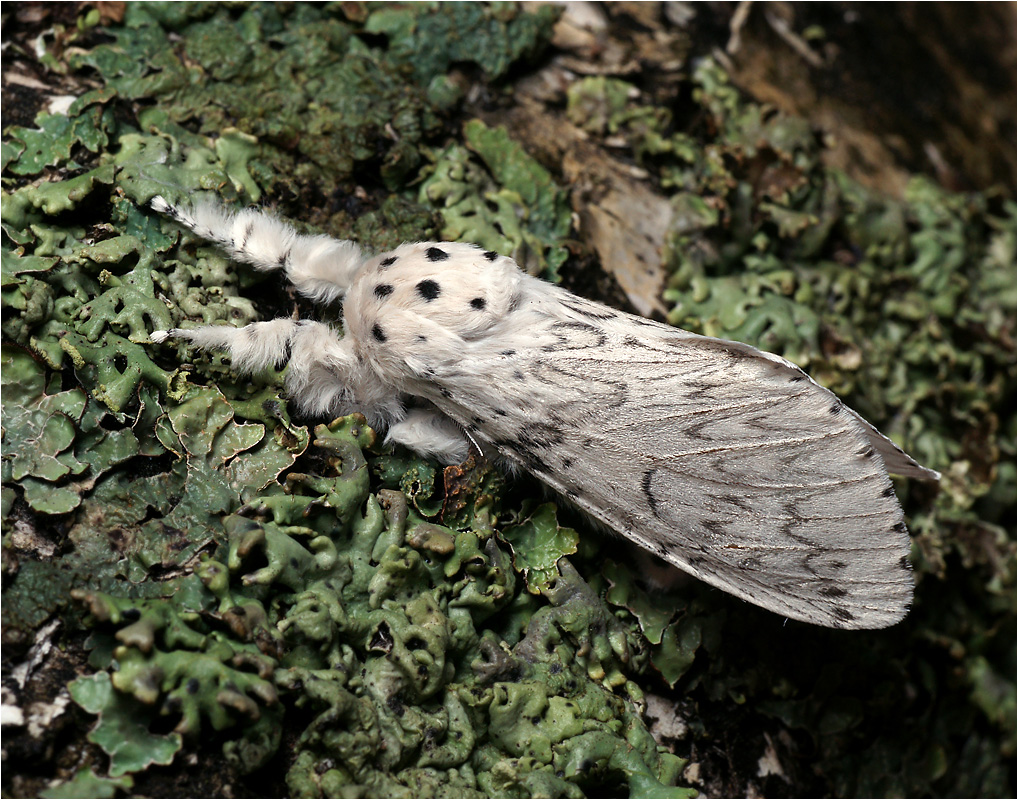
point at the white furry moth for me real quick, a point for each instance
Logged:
(723, 460)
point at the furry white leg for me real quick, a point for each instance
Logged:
(431, 433)
(324, 378)
(320, 267)
(251, 348)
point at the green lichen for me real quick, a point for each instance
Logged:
(301, 79)
(537, 544)
(382, 626)
(87, 784)
(430, 38)
(121, 732)
(510, 204)
(38, 427)
(419, 631)
(54, 141)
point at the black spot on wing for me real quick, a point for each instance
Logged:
(436, 254)
(718, 529)
(531, 458)
(595, 312)
(478, 303)
(387, 262)
(645, 484)
(734, 501)
(532, 446)
(383, 290)
(833, 591)
(843, 614)
(575, 336)
(429, 289)
(378, 333)
(542, 435)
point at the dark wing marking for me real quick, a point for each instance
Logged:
(725, 461)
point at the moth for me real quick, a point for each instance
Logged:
(725, 461)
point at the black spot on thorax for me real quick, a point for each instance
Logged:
(429, 290)
(436, 254)
(478, 303)
(387, 262)
(378, 333)
(383, 290)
